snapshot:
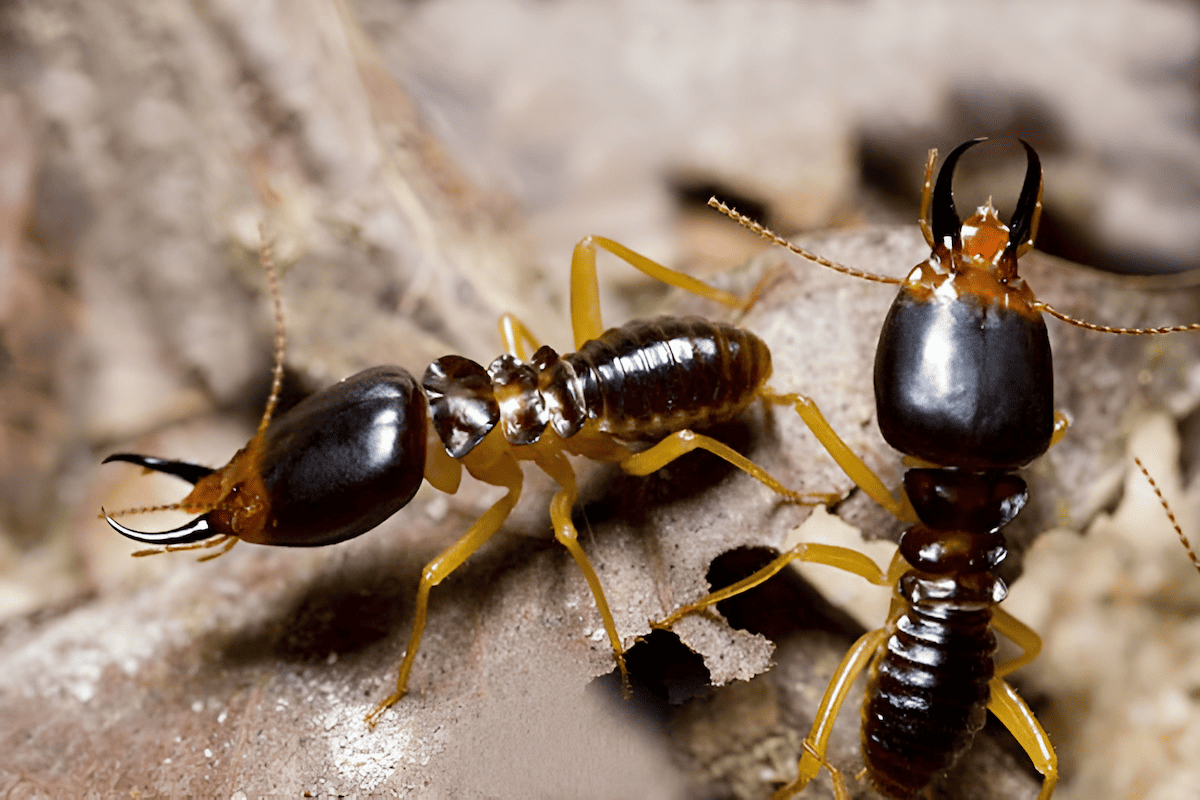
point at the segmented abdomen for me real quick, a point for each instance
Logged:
(927, 694)
(654, 377)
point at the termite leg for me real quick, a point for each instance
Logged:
(840, 792)
(558, 468)
(1061, 423)
(504, 472)
(1011, 710)
(1019, 634)
(846, 458)
(769, 279)
(685, 441)
(843, 558)
(852, 665)
(515, 334)
(585, 291)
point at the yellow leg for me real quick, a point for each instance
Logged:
(585, 291)
(769, 278)
(817, 742)
(1020, 721)
(840, 792)
(1019, 634)
(1061, 423)
(558, 468)
(846, 458)
(685, 441)
(832, 555)
(515, 334)
(854, 662)
(505, 472)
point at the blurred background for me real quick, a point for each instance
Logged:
(432, 164)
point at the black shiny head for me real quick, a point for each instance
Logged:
(962, 384)
(333, 467)
(344, 459)
(963, 371)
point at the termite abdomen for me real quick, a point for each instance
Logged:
(928, 695)
(928, 692)
(645, 379)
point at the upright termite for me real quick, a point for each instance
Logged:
(963, 385)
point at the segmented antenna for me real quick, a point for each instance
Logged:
(1170, 514)
(1091, 326)
(1039, 305)
(268, 265)
(771, 236)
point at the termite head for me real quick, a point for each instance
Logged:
(963, 371)
(333, 467)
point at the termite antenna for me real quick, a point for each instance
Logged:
(1170, 514)
(771, 236)
(1091, 326)
(1040, 305)
(268, 265)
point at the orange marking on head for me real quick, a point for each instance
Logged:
(984, 237)
(980, 267)
(235, 496)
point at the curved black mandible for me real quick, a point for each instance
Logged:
(944, 217)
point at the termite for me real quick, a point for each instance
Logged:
(963, 386)
(346, 458)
